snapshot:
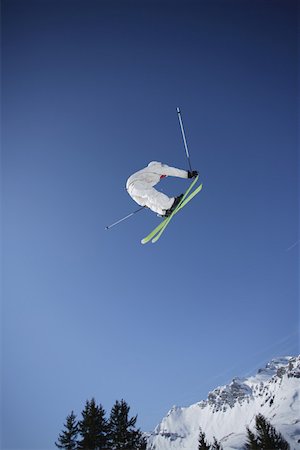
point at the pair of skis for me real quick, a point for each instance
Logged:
(187, 197)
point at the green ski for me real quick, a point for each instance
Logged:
(162, 223)
(179, 207)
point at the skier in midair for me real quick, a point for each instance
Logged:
(140, 187)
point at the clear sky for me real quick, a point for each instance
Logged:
(90, 90)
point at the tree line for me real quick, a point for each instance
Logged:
(118, 432)
(97, 432)
(264, 437)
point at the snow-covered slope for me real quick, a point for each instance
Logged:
(274, 392)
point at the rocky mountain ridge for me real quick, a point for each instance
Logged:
(274, 392)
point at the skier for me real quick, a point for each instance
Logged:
(140, 187)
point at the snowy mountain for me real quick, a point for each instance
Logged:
(274, 392)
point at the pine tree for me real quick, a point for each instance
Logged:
(204, 445)
(216, 445)
(202, 442)
(93, 427)
(68, 439)
(122, 432)
(252, 443)
(267, 437)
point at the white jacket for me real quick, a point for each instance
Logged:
(154, 172)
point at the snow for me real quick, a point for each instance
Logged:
(274, 392)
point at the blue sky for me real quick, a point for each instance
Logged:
(90, 90)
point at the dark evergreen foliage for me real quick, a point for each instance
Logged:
(97, 433)
(251, 443)
(68, 438)
(122, 432)
(216, 445)
(266, 437)
(93, 428)
(204, 445)
(202, 442)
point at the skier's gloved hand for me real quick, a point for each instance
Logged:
(192, 174)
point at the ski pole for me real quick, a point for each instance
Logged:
(184, 138)
(124, 218)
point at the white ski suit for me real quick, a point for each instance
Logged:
(140, 186)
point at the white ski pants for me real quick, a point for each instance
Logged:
(145, 195)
